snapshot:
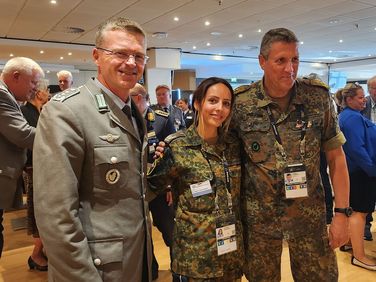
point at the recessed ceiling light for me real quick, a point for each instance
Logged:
(301, 42)
(330, 51)
(215, 33)
(47, 71)
(208, 44)
(259, 30)
(70, 54)
(340, 41)
(334, 21)
(335, 60)
(194, 47)
(61, 58)
(207, 23)
(11, 55)
(240, 35)
(41, 51)
(53, 1)
(369, 55)
(176, 19)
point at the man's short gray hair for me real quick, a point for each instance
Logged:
(120, 23)
(65, 73)
(22, 64)
(369, 81)
(276, 35)
(41, 86)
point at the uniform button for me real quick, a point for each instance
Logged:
(142, 174)
(143, 196)
(114, 160)
(146, 218)
(97, 261)
(1, 171)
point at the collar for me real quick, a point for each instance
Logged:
(373, 104)
(264, 100)
(119, 102)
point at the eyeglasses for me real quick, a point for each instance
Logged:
(139, 59)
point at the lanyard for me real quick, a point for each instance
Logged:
(227, 181)
(301, 123)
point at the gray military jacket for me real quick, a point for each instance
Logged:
(89, 189)
(16, 135)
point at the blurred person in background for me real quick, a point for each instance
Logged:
(18, 82)
(65, 79)
(31, 111)
(370, 113)
(360, 153)
(188, 114)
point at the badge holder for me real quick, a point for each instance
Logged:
(295, 179)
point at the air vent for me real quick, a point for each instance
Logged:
(160, 35)
(69, 29)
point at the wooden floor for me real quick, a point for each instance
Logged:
(18, 247)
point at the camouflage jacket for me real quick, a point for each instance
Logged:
(267, 209)
(189, 160)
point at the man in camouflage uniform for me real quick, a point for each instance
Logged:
(284, 122)
(158, 126)
(163, 94)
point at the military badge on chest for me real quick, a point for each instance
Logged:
(112, 176)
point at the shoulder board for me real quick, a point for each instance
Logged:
(174, 136)
(62, 96)
(315, 82)
(242, 89)
(161, 113)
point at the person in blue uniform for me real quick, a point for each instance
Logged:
(163, 94)
(159, 126)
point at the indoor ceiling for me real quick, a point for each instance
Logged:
(329, 30)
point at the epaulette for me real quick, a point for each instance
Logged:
(315, 82)
(62, 96)
(174, 136)
(241, 89)
(161, 113)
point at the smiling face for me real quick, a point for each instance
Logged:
(215, 108)
(357, 102)
(280, 68)
(120, 75)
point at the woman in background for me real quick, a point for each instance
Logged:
(202, 167)
(31, 111)
(360, 150)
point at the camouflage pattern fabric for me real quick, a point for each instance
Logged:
(268, 214)
(194, 250)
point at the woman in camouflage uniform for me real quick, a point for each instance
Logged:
(202, 165)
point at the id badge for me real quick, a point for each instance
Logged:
(295, 178)
(225, 234)
(201, 188)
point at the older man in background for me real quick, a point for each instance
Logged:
(65, 79)
(18, 82)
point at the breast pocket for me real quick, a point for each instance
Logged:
(110, 166)
(256, 140)
(313, 136)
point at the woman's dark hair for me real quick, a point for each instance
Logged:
(200, 94)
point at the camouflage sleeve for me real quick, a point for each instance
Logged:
(332, 137)
(161, 174)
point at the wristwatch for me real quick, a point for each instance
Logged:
(347, 211)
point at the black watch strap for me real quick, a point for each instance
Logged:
(346, 211)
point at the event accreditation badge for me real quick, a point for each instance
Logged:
(295, 178)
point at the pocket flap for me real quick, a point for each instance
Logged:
(106, 251)
(111, 154)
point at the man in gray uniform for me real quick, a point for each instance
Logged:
(163, 94)
(18, 82)
(90, 158)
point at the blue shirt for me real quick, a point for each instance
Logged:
(360, 147)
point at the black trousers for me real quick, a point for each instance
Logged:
(1, 231)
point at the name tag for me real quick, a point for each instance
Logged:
(295, 178)
(226, 239)
(201, 188)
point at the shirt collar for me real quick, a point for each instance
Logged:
(119, 102)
